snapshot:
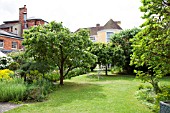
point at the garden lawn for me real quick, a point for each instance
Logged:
(88, 94)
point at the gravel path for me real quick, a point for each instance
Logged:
(4, 106)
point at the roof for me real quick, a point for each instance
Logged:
(6, 25)
(16, 21)
(11, 21)
(109, 25)
(34, 18)
(10, 35)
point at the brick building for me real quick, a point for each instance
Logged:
(11, 31)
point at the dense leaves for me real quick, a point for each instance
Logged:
(121, 44)
(57, 46)
(151, 47)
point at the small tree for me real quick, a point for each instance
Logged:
(56, 45)
(103, 53)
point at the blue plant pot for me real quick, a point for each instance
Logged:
(165, 107)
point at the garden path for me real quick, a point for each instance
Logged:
(5, 106)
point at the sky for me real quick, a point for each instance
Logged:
(76, 13)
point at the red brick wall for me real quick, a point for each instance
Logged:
(21, 16)
(8, 42)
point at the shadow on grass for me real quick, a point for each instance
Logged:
(75, 92)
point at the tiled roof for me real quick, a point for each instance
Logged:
(109, 25)
(10, 35)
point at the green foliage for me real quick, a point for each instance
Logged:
(103, 52)
(77, 72)
(18, 57)
(121, 44)
(151, 46)
(52, 76)
(12, 90)
(33, 75)
(116, 69)
(14, 66)
(39, 89)
(57, 46)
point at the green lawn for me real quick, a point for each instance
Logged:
(88, 94)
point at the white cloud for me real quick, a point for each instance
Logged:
(76, 13)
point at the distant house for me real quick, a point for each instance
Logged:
(9, 42)
(11, 31)
(103, 33)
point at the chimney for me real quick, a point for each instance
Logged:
(97, 25)
(23, 17)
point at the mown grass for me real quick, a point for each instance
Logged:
(91, 94)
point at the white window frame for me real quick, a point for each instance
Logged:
(108, 38)
(2, 42)
(15, 45)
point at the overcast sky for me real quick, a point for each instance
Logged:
(76, 13)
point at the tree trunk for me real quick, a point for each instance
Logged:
(61, 76)
(106, 70)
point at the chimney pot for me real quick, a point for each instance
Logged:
(97, 25)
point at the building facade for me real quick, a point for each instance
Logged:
(103, 33)
(11, 31)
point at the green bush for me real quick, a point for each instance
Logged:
(163, 96)
(52, 76)
(39, 89)
(12, 90)
(77, 72)
(116, 69)
(14, 66)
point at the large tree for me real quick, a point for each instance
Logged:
(151, 47)
(56, 45)
(121, 41)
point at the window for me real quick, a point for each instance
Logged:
(108, 36)
(92, 38)
(1, 43)
(14, 45)
(25, 17)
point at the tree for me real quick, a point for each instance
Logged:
(103, 53)
(121, 41)
(151, 46)
(57, 46)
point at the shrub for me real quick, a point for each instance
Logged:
(116, 69)
(52, 76)
(39, 89)
(6, 74)
(77, 72)
(18, 56)
(12, 90)
(5, 62)
(14, 66)
(33, 75)
(163, 96)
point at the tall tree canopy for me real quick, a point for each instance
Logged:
(57, 46)
(121, 41)
(151, 47)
